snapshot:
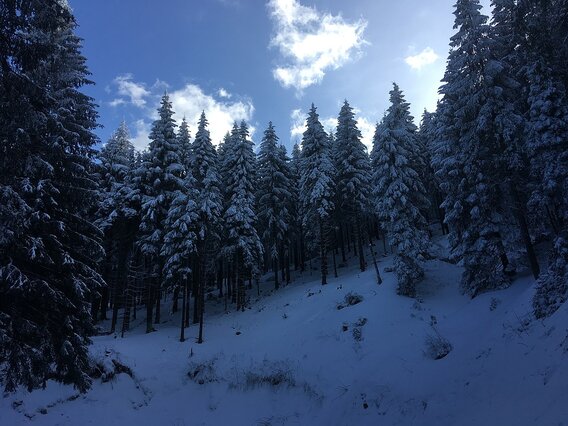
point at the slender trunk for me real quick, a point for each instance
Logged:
(323, 254)
(195, 291)
(342, 242)
(158, 296)
(104, 302)
(149, 304)
(334, 265)
(275, 267)
(288, 269)
(175, 299)
(360, 243)
(521, 219)
(302, 251)
(201, 309)
(183, 308)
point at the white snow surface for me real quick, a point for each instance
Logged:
(288, 361)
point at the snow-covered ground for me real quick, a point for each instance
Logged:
(295, 358)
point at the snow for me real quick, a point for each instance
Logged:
(293, 358)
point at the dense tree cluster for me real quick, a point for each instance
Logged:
(88, 236)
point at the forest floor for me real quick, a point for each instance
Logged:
(303, 355)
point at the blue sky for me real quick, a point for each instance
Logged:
(260, 60)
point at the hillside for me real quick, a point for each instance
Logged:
(294, 358)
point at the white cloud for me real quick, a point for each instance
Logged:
(420, 60)
(367, 128)
(224, 94)
(189, 101)
(311, 42)
(297, 125)
(141, 134)
(135, 92)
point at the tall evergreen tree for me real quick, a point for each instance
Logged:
(353, 175)
(398, 192)
(468, 156)
(297, 231)
(161, 173)
(118, 217)
(49, 250)
(209, 207)
(273, 194)
(184, 141)
(316, 187)
(242, 243)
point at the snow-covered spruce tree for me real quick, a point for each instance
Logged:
(297, 230)
(467, 157)
(289, 198)
(273, 195)
(316, 187)
(49, 251)
(209, 209)
(184, 141)
(179, 241)
(548, 130)
(161, 177)
(352, 177)
(502, 128)
(241, 241)
(398, 192)
(118, 217)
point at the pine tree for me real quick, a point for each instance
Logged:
(398, 192)
(273, 196)
(297, 230)
(49, 250)
(548, 147)
(467, 157)
(242, 243)
(184, 142)
(353, 175)
(209, 207)
(316, 187)
(118, 218)
(161, 173)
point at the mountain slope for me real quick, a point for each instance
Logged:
(295, 358)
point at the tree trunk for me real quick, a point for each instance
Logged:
(323, 254)
(183, 310)
(521, 219)
(275, 267)
(175, 299)
(360, 243)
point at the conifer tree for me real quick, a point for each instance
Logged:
(118, 218)
(398, 192)
(297, 231)
(316, 187)
(49, 250)
(161, 176)
(242, 243)
(467, 158)
(353, 175)
(273, 199)
(184, 142)
(209, 207)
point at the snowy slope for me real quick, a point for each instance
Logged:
(294, 358)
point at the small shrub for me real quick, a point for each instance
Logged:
(203, 372)
(437, 347)
(350, 299)
(494, 303)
